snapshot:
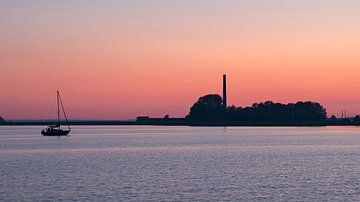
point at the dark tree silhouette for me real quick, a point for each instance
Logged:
(357, 119)
(207, 108)
(2, 120)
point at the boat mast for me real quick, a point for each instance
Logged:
(62, 107)
(58, 108)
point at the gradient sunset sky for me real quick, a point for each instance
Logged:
(120, 59)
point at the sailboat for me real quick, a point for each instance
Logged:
(56, 130)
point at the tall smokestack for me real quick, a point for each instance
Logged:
(224, 92)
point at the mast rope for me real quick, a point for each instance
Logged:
(62, 107)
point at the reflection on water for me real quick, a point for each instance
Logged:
(181, 163)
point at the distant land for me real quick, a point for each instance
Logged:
(209, 111)
(212, 110)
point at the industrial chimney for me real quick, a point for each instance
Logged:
(224, 92)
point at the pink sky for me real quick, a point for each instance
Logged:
(117, 60)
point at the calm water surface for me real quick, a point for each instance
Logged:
(150, 163)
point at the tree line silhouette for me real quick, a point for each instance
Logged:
(210, 108)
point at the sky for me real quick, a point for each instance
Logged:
(120, 59)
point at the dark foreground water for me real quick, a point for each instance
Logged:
(142, 163)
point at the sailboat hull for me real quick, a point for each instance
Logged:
(55, 132)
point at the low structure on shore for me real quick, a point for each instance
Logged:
(146, 120)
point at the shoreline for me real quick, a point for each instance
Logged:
(183, 123)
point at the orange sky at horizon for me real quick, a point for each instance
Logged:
(116, 60)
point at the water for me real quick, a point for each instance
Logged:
(151, 163)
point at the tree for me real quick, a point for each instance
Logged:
(310, 111)
(210, 108)
(207, 108)
(270, 111)
(2, 120)
(357, 119)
